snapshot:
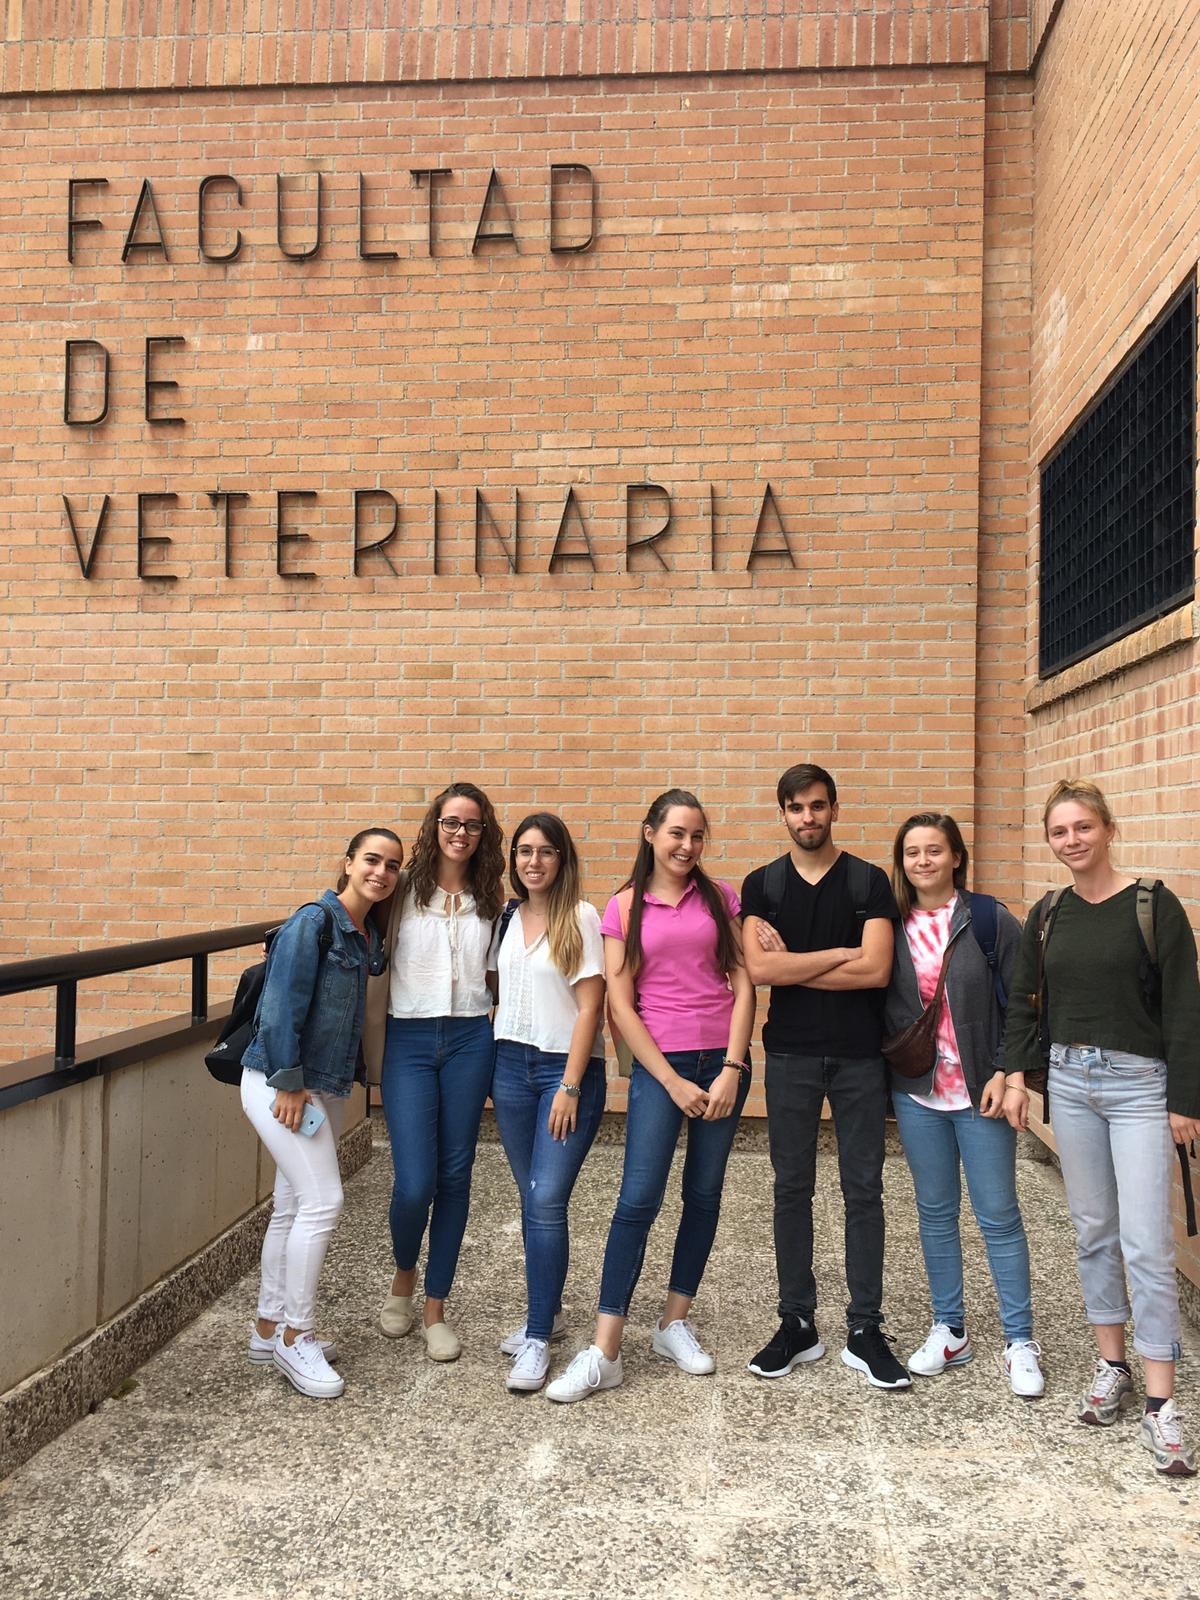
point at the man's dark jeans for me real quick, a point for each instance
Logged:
(857, 1093)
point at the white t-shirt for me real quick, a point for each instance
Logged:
(537, 1004)
(439, 964)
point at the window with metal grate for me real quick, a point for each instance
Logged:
(1118, 499)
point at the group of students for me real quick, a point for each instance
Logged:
(424, 977)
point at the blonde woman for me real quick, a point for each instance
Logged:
(1123, 1037)
(548, 1088)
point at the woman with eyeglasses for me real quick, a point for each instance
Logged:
(548, 1088)
(438, 1049)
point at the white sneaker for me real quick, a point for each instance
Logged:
(1024, 1371)
(1162, 1434)
(529, 1368)
(305, 1367)
(590, 1370)
(940, 1350)
(677, 1342)
(511, 1345)
(261, 1349)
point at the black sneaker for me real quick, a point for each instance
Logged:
(795, 1342)
(868, 1350)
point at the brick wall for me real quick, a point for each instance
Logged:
(1116, 230)
(785, 288)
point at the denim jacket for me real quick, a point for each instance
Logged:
(970, 994)
(310, 1016)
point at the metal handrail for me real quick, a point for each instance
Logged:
(64, 973)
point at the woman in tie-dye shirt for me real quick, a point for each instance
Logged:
(954, 1115)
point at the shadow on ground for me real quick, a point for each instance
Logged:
(211, 1478)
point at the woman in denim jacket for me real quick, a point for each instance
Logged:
(297, 1071)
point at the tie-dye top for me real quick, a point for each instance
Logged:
(927, 932)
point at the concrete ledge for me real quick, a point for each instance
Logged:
(49, 1401)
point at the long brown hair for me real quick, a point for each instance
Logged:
(485, 868)
(643, 867)
(563, 933)
(950, 831)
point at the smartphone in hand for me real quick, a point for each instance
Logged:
(311, 1120)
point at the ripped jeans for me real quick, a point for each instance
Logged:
(545, 1169)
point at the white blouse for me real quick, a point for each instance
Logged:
(537, 1004)
(440, 959)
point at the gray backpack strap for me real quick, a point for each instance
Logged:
(1150, 973)
(1147, 904)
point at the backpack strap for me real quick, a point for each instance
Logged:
(1189, 1199)
(985, 925)
(775, 886)
(503, 921)
(858, 876)
(1047, 911)
(624, 907)
(1150, 974)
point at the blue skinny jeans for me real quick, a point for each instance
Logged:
(436, 1076)
(545, 1169)
(651, 1131)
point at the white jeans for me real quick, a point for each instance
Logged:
(308, 1204)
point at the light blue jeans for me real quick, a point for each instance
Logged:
(1109, 1112)
(934, 1142)
(523, 1089)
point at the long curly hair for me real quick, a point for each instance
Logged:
(563, 933)
(485, 868)
(643, 867)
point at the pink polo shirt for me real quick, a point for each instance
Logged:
(683, 997)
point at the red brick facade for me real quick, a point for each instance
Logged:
(848, 281)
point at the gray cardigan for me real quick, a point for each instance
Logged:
(970, 994)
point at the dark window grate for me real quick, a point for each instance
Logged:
(1118, 499)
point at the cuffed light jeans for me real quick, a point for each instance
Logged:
(1109, 1113)
(308, 1204)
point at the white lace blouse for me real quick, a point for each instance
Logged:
(439, 963)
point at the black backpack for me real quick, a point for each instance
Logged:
(224, 1060)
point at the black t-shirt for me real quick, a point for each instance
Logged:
(822, 916)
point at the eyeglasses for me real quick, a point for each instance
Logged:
(451, 825)
(543, 852)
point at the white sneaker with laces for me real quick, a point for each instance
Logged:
(261, 1349)
(530, 1366)
(305, 1367)
(1024, 1369)
(677, 1342)
(940, 1350)
(1162, 1435)
(589, 1371)
(511, 1344)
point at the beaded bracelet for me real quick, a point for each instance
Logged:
(742, 1066)
(570, 1088)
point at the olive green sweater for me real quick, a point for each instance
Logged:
(1094, 989)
